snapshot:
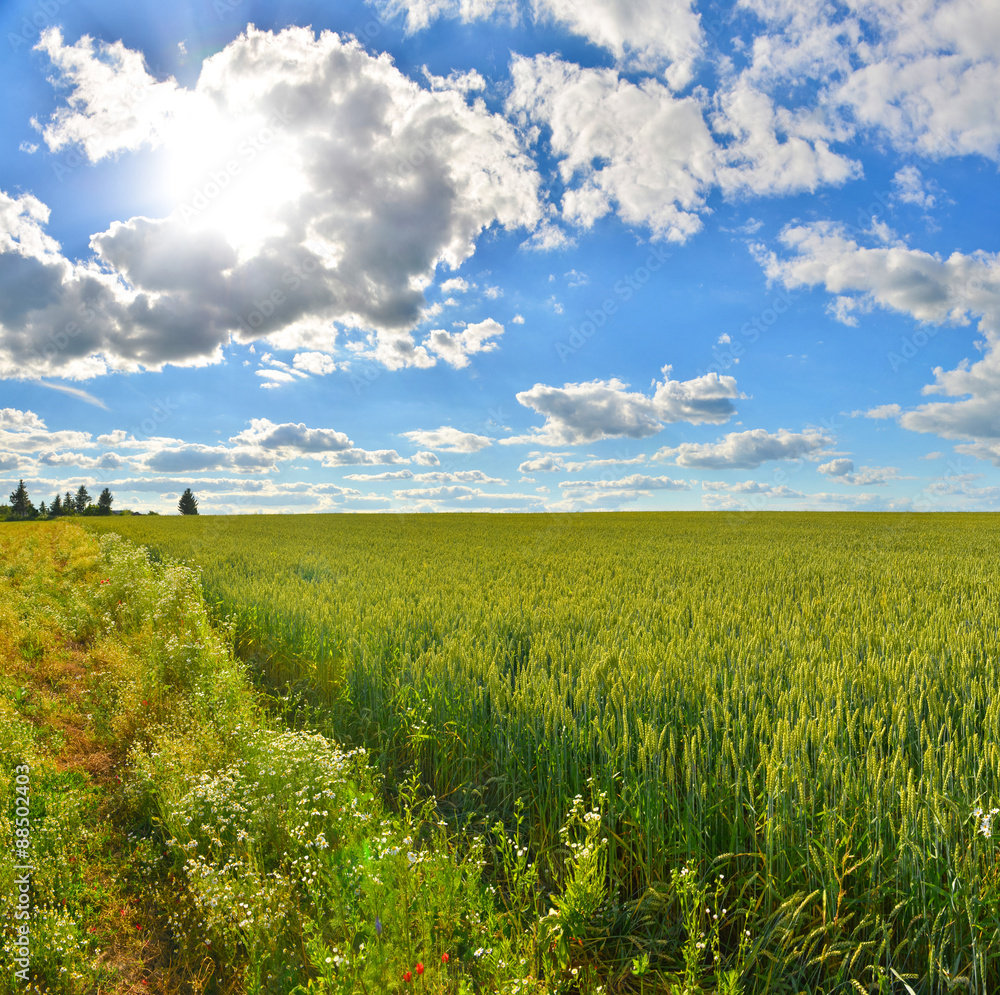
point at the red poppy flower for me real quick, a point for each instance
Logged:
(407, 977)
(444, 958)
(420, 968)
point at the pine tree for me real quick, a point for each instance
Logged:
(42, 510)
(68, 504)
(19, 503)
(187, 505)
(57, 508)
(81, 500)
(104, 502)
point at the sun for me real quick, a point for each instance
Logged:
(241, 176)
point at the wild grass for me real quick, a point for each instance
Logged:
(806, 705)
(181, 841)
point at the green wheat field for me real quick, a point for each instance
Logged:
(802, 707)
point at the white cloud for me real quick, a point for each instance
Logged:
(865, 476)
(837, 467)
(114, 104)
(747, 450)
(387, 475)
(910, 188)
(770, 150)
(456, 285)
(931, 289)
(636, 149)
(646, 35)
(455, 348)
(195, 457)
(586, 412)
(542, 463)
(421, 14)
(317, 363)
(449, 440)
(289, 440)
(25, 432)
(457, 476)
(920, 76)
(642, 34)
(322, 216)
(634, 482)
(276, 376)
(361, 457)
(883, 411)
(517, 319)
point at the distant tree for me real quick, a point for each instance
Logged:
(187, 505)
(57, 508)
(68, 504)
(19, 503)
(81, 500)
(105, 501)
(42, 510)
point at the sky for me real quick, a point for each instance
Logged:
(501, 255)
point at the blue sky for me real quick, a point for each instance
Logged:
(529, 255)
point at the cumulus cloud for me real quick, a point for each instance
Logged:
(933, 290)
(25, 432)
(289, 440)
(920, 77)
(586, 412)
(747, 450)
(644, 35)
(361, 457)
(909, 187)
(379, 477)
(633, 482)
(637, 149)
(317, 363)
(866, 476)
(114, 104)
(455, 348)
(883, 411)
(323, 218)
(195, 457)
(837, 467)
(449, 440)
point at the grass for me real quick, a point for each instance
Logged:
(805, 705)
(182, 839)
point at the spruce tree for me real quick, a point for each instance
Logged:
(104, 502)
(81, 500)
(187, 505)
(56, 508)
(19, 503)
(68, 504)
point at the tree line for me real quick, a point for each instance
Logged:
(21, 507)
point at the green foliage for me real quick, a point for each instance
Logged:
(807, 704)
(188, 504)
